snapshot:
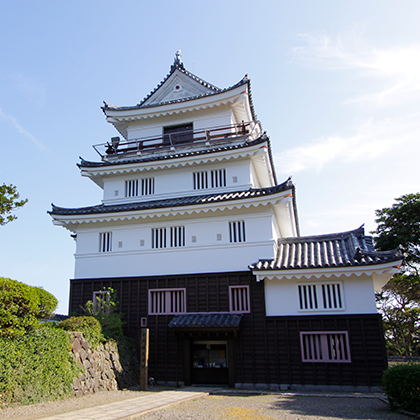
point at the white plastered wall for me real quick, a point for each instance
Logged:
(178, 181)
(281, 296)
(206, 254)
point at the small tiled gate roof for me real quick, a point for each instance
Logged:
(200, 321)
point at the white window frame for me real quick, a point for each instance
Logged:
(325, 347)
(105, 241)
(168, 237)
(237, 232)
(318, 297)
(139, 187)
(239, 299)
(167, 301)
(215, 178)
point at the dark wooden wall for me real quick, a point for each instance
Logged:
(267, 349)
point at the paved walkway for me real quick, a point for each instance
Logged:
(132, 409)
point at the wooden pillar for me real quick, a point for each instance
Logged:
(144, 358)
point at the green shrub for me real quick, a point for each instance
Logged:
(402, 386)
(87, 325)
(104, 309)
(36, 367)
(21, 306)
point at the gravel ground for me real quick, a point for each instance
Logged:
(226, 407)
(267, 407)
(45, 409)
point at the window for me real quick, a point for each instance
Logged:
(323, 346)
(105, 242)
(209, 179)
(101, 301)
(167, 302)
(218, 178)
(320, 297)
(178, 134)
(237, 231)
(134, 188)
(175, 238)
(239, 299)
(200, 180)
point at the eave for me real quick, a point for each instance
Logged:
(279, 199)
(259, 153)
(236, 98)
(380, 272)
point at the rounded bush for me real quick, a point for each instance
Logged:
(402, 386)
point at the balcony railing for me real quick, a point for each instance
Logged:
(164, 143)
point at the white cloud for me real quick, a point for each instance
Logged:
(397, 69)
(371, 140)
(20, 129)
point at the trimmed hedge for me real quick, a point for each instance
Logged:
(36, 367)
(21, 306)
(402, 386)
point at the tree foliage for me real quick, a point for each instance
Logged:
(9, 201)
(104, 309)
(21, 307)
(399, 300)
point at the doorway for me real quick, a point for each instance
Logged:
(210, 362)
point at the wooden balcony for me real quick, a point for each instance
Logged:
(170, 141)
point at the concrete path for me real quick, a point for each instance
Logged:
(133, 408)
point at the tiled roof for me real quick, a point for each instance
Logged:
(345, 249)
(216, 320)
(175, 154)
(178, 65)
(174, 202)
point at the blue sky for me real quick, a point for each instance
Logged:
(336, 84)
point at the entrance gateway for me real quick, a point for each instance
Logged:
(210, 363)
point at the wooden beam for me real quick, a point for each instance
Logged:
(144, 358)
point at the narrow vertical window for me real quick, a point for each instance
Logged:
(200, 180)
(147, 186)
(237, 231)
(218, 178)
(159, 238)
(132, 188)
(239, 299)
(105, 242)
(167, 302)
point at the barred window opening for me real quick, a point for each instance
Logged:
(239, 299)
(174, 239)
(105, 242)
(325, 346)
(327, 296)
(167, 302)
(134, 188)
(237, 232)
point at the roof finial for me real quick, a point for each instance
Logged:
(178, 57)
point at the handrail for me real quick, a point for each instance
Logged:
(171, 141)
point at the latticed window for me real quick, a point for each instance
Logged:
(323, 346)
(136, 187)
(174, 239)
(239, 299)
(320, 296)
(200, 180)
(167, 302)
(218, 178)
(105, 242)
(237, 231)
(209, 179)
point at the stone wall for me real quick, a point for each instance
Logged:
(105, 369)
